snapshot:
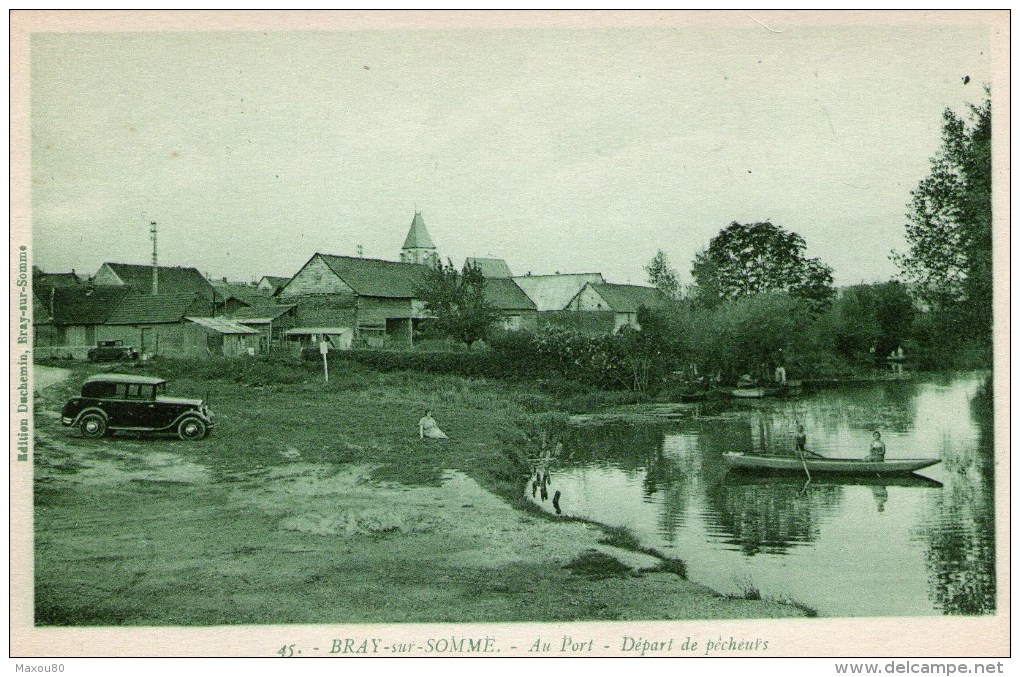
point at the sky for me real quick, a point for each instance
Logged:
(557, 150)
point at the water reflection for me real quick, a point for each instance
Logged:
(771, 517)
(846, 546)
(960, 534)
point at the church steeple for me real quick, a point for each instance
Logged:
(418, 246)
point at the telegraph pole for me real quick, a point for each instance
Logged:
(155, 260)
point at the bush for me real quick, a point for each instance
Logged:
(552, 356)
(469, 364)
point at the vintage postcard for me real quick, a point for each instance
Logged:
(510, 334)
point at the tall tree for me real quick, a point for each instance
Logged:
(457, 301)
(662, 275)
(758, 258)
(949, 227)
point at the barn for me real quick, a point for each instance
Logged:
(373, 299)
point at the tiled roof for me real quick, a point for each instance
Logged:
(250, 296)
(554, 292)
(55, 279)
(491, 268)
(153, 308)
(627, 298)
(222, 325)
(418, 236)
(172, 280)
(504, 294)
(44, 283)
(84, 305)
(375, 277)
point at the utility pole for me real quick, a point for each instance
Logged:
(155, 260)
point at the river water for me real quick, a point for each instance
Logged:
(895, 547)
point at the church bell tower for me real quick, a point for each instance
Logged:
(418, 246)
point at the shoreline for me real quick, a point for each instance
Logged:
(369, 528)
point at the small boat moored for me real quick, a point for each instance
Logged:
(758, 391)
(847, 466)
(748, 393)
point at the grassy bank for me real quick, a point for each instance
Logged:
(317, 503)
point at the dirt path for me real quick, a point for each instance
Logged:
(44, 377)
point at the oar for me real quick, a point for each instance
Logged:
(806, 471)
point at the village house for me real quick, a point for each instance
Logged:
(156, 324)
(230, 298)
(344, 299)
(622, 300)
(69, 319)
(43, 291)
(517, 311)
(552, 293)
(371, 300)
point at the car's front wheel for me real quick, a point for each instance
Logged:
(191, 428)
(92, 426)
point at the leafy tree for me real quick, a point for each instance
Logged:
(758, 258)
(871, 320)
(457, 301)
(949, 229)
(662, 275)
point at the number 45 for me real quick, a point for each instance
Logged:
(286, 651)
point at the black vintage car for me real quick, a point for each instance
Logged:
(111, 402)
(110, 351)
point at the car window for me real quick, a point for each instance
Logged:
(100, 390)
(137, 391)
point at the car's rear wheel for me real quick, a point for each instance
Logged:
(191, 428)
(92, 426)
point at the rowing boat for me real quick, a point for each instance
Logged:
(848, 466)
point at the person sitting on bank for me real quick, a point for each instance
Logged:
(427, 427)
(877, 451)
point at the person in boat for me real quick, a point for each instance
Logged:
(877, 451)
(427, 427)
(800, 440)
